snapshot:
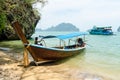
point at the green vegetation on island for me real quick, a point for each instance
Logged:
(22, 11)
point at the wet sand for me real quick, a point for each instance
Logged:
(11, 68)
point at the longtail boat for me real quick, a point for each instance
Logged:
(43, 53)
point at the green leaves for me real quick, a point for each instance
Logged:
(2, 21)
(2, 16)
(22, 11)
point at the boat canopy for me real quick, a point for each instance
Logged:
(67, 36)
(107, 27)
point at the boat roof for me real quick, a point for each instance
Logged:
(107, 27)
(66, 36)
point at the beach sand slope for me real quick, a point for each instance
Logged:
(12, 69)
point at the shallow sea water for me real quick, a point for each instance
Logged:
(101, 56)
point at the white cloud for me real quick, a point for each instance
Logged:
(82, 13)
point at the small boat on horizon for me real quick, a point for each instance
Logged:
(101, 30)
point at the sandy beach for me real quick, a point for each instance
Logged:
(11, 68)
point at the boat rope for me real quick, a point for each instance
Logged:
(27, 45)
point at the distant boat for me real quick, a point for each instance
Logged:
(101, 30)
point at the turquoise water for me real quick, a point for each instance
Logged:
(102, 54)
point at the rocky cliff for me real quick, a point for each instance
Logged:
(22, 11)
(118, 29)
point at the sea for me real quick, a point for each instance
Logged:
(101, 56)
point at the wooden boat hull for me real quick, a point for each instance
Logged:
(43, 53)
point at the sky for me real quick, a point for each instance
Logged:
(84, 14)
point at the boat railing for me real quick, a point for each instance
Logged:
(43, 43)
(70, 45)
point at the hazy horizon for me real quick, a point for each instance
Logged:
(83, 14)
